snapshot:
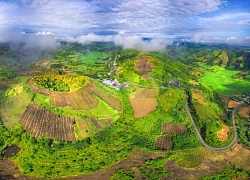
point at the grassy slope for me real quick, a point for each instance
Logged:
(220, 80)
(14, 104)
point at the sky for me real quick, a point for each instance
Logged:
(226, 21)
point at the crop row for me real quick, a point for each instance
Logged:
(164, 143)
(38, 121)
(107, 98)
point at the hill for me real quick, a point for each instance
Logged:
(100, 112)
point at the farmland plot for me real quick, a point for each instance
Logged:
(82, 129)
(174, 128)
(111, 100)
(41, 122)
(143, 65)
(164, 143)
(143, 102)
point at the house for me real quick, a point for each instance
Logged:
(114, 84)
(175, 83)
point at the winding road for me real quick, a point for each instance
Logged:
(235, 139)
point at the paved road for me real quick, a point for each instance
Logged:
(235, 139)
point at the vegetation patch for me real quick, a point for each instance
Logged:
(220, 80)
(13, 104)
(61, 83)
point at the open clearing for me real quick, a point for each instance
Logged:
(143, 65)
(244, 112)
(143, 102)
(223, 133)
(220, 80)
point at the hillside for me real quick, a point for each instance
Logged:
(98, 111)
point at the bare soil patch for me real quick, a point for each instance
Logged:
(244, 112)
(143, 106)
(95, 122)
(11, 151)
(143, 65)
(174, 128)
(224, 99)
(143, 101)
(232, 104)
(83, 98)
(164, 143)
(223, 133)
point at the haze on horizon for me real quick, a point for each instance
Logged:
(125, 22)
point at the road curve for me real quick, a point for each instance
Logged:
(235, 139)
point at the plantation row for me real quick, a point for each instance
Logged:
(164, 143)
(107, 98)
(41, 122)
(82, 98)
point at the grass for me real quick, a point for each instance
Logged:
(14, 104)
(220, 80)
(103, 110)
(92, 57)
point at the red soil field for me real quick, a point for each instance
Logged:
(143, 106)
(143, 102)
(232, 104)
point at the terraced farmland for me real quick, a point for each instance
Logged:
(107, 98)
(38, 121)
(81, 99)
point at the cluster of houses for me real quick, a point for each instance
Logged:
(115, 84)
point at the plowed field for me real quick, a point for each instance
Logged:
(38, 121)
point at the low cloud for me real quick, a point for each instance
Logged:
(126, 41)
(41, 41)
(202, 38)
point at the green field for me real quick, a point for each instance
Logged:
(220, 80)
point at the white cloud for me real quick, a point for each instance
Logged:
(32, 41)
(82, 17)
(205, 38)
(126, 41)
(44, 33)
